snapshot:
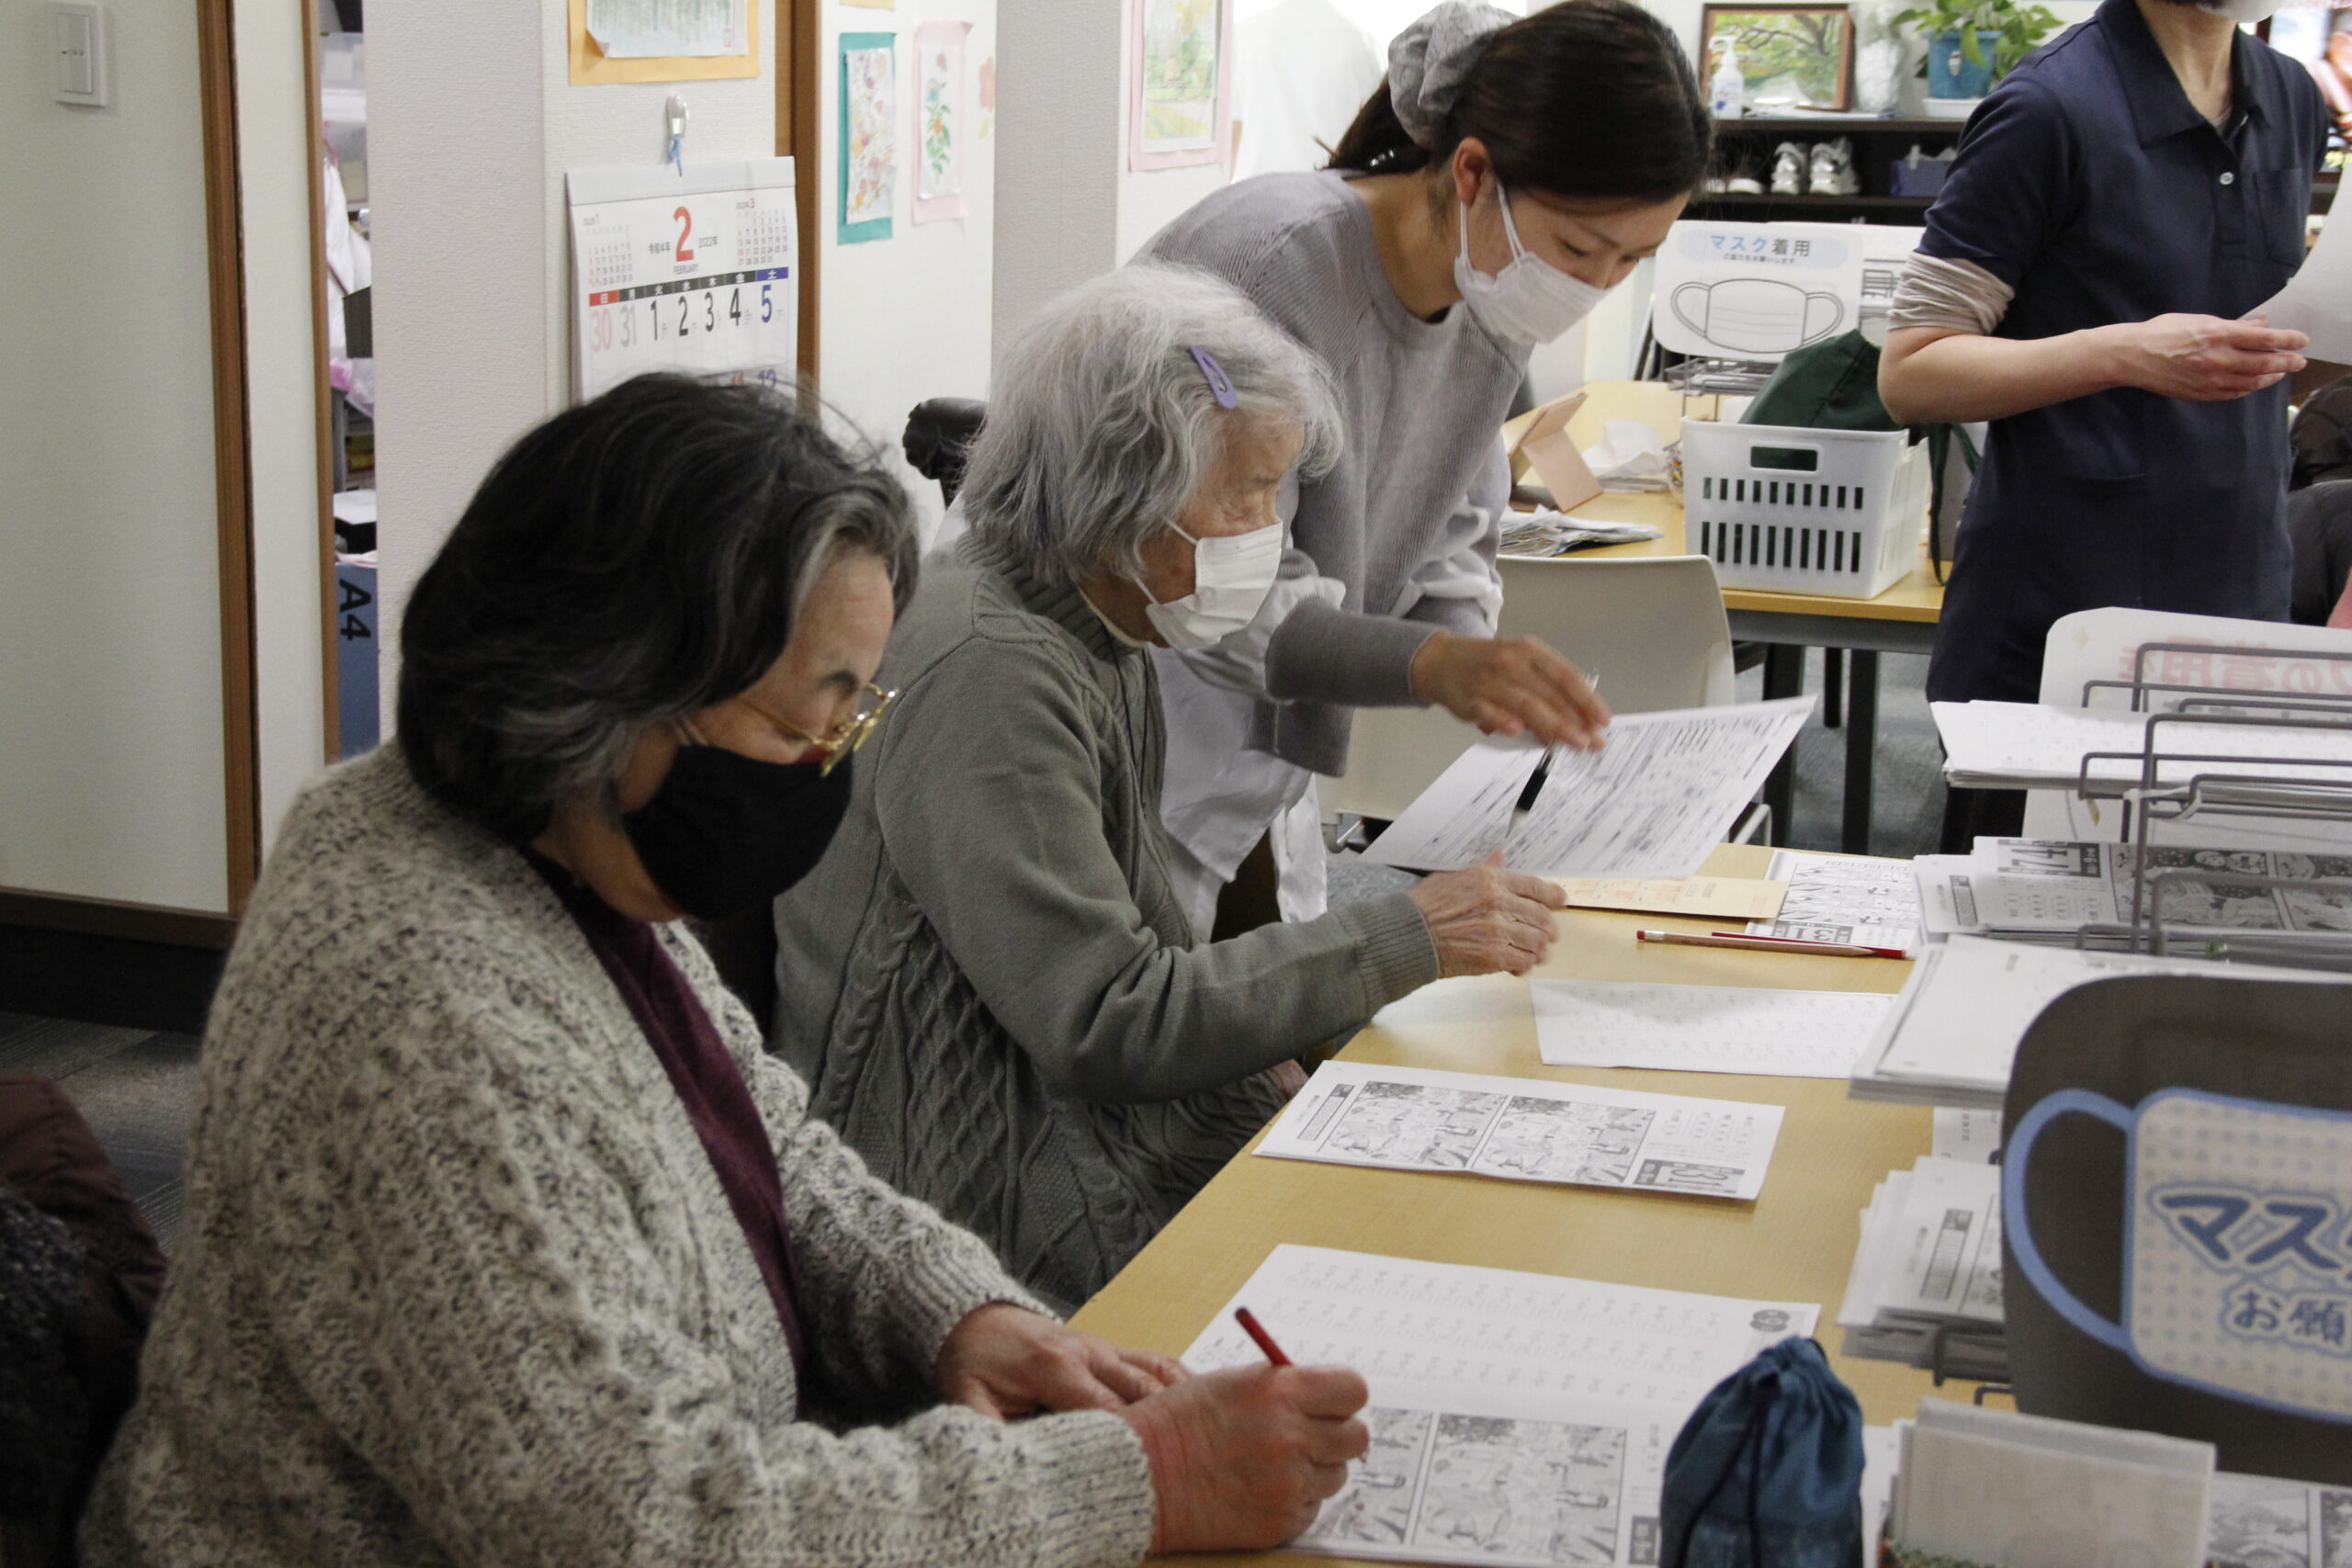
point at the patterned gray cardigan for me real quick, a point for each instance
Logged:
(458, 1283)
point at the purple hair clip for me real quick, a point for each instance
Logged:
(1220, 384)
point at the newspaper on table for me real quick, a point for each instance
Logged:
(2030, 746)
(2048, 890)
(1551, 533)
(1703, 1028)
(1850, 898)
(1926, 1286)
(1654, 802)
(1526, 1130)
(1517, 1419)
(2255, 1521)
(1953, 1032)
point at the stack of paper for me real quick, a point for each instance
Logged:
(2045, 890)
(1954, 1028)
(2028, 746)
(1520, 1420)
(1653, 803)
(1989, 1485)
(1548, 533)
(1926, 1288)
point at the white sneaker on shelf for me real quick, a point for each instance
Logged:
(1788, 170)
(1833, 169)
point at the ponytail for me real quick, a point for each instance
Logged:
(1589, 99)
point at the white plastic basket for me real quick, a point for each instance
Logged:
(1801, 510)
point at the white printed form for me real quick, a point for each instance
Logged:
(1526, 1130)
(1519, 1419)
(1703, 1028)
(1852, 899)
(1654, 802)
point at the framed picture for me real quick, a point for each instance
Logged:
(1791, 56)
(1179, 82)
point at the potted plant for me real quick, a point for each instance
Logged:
(1973, 44)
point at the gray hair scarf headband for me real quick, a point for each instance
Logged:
(1432, 59)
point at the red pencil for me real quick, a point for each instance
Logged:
(1255, 1330)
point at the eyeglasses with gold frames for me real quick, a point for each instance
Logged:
(845, 738)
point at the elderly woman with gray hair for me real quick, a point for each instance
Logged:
(505, 1242)
(991, 984)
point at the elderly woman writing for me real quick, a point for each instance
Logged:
(506, 1244)
(993, 984)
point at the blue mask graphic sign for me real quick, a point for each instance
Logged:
(2237, 1248)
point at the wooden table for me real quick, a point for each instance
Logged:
(1794, 1242)
(1901, 620)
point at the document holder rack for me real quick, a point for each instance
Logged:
(2219, 786)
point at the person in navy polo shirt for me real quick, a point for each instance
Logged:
(2119, 202)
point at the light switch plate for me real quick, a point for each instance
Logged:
(78, 54)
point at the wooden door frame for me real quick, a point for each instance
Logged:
(800, 47)
(231, 445)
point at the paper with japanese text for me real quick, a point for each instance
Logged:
(1704, 1029)
(1526, 1130)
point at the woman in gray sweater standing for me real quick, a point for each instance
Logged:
(992, 985)
(1506, 174)
(506, 1243)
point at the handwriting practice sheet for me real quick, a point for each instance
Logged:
(1852, 899)
(1516, 1418)
(1652, 803)
(1703, 1028)
(1436, 1330)
(1526, 1130)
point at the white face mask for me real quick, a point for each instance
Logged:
(2245, 13)
(1530, 301)
(1232, 574)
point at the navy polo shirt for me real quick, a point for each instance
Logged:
(2090, 184)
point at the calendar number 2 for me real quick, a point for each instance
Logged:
(685, 252)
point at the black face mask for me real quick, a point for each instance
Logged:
(725, 833)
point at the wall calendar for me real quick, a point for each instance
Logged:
(694, 270)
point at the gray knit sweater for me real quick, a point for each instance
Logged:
(990, 983)
(1422, 477)
(458, 1283)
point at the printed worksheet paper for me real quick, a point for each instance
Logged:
(1703, 1028)
(1517, 1419)
(1526, 1130)
(1654, 802)
(1855, 898)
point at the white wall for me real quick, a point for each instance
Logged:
(472, 124)
(275, 141)
(1059, 101)
(110, 749)
(909, 317)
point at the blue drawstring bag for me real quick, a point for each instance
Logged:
(1768, 1471)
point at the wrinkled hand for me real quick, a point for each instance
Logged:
(1486, 918)
(1511, 686)
(1288, 1076)
(1005, 1361)
(2205, 358)
(1241, 1460)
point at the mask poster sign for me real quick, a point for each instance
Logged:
(868, 136)
(1181, 83)
(1757, 291)
(2237, 1248)
(941, 127)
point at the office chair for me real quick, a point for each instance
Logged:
(1651, 627)
(2175, 1193)
(939, 436)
